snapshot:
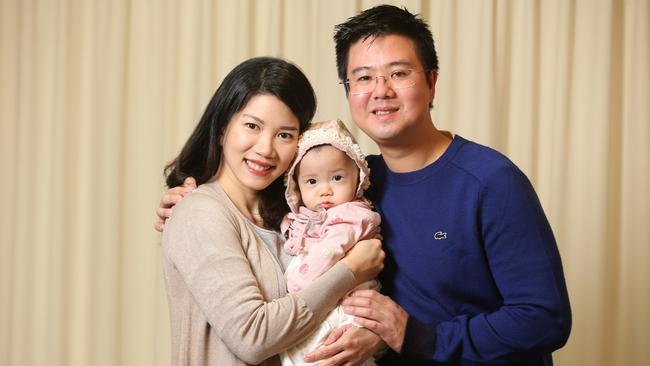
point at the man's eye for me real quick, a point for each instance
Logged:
(399, 74)
(364, 79)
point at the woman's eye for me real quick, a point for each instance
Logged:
(250, 125)
(285, 136)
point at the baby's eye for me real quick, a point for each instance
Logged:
(311, 181)
(337, 178)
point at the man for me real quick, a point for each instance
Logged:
(473, 274)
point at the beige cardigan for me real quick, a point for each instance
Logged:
(227, 293)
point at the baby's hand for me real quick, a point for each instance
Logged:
(365, 260)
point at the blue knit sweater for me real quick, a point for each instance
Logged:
(472, 259)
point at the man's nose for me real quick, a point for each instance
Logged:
(382, 87)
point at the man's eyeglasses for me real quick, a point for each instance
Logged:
(365, 83)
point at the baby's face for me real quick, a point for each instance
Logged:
(326, 177)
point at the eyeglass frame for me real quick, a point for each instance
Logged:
(346, 82)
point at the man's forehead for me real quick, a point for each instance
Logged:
(389, 65)
(382, 51)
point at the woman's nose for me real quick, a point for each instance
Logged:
(264, 146)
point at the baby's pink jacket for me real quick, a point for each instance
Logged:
(321, 238)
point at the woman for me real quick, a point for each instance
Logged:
(222, 253)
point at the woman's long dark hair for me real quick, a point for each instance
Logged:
(201, 155)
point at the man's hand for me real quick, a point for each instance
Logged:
(379, 314)
(348, 345)
(171, 197)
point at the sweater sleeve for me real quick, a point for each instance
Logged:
(534, 318)
(203, 240)
(344, 226)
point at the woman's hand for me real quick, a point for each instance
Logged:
(171, 197)
(348, 345)
(378, 313)
(365, 260)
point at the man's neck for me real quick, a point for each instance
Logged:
(417, 152)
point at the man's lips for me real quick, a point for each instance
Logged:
(384, 111)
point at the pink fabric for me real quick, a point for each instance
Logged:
(320, 239)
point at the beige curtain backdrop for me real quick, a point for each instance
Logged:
(97, 95)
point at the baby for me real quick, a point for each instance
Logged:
(329, 215)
